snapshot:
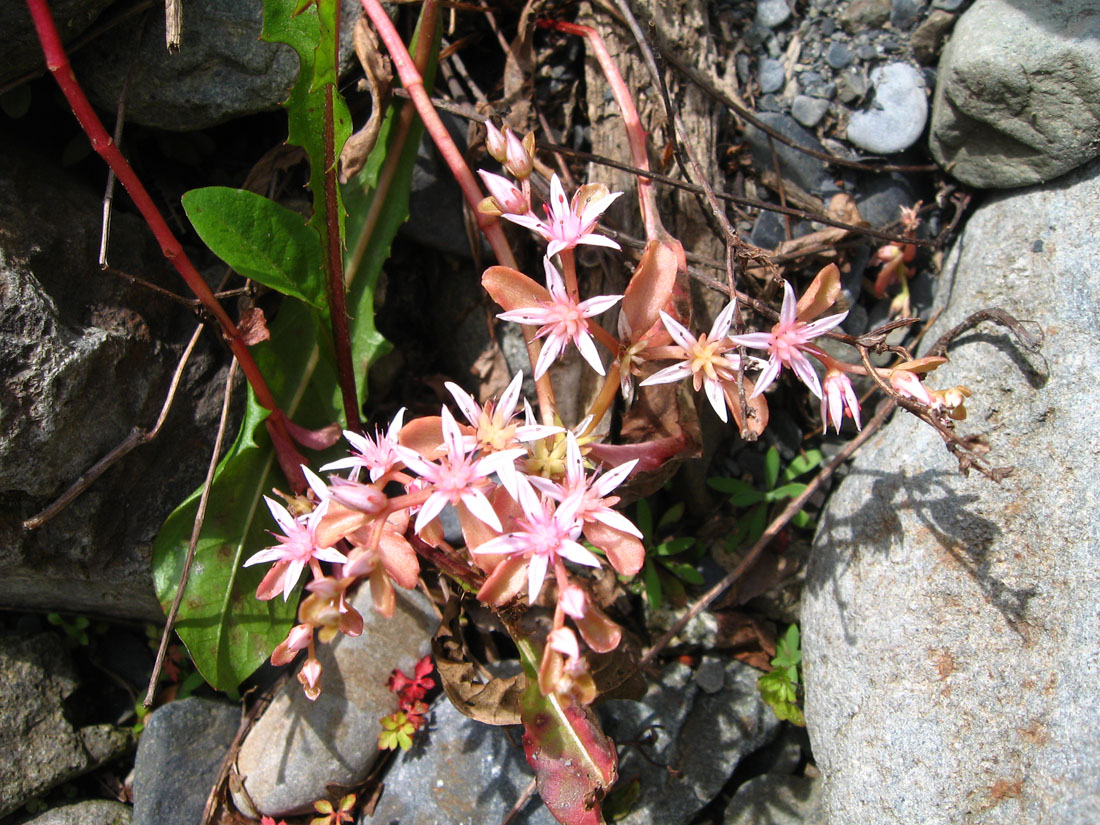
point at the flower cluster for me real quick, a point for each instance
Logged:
(535, 506)
(519, 528)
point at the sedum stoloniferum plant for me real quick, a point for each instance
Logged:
(527, 493)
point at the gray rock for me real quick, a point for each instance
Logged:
(851, 86)
(806, 171)
(904, 14)
(948, 5)
(89, 812)
(770, 74)
(297, 747)
(1018, 97)
(898, 113)
(461, 772)
(22, 52)
(42, 748)
(859, 15)
(776, 800)
(880, 198)
(84, 359)
(839, 56)
(772, 13)
(950, 624)
(702, 735)
(770, 230)
(809, 110)
(181, 751)
(222, 71)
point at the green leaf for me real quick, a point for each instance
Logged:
(673, 546)
(771, 467)
(672, 515)
(786, 491)
(226, 630)
(310, 32)
(730, 485)
(757, 522)
(684, 572)
(802, 520)
(652, 582)
(748, 497)
(260, 239)
(802, 464)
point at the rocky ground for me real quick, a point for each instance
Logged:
(950, 627)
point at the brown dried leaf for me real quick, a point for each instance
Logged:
(379, 79)
(495, 702)
(253, 326)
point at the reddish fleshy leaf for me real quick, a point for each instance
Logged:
(650, 287)
(512, 289)
(574, 761)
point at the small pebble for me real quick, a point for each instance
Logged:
(828, 26)
(809, 110)
(866, 52)
(772, 13)
(839, 56)
(770, 74)
(899, 112)
(948, 5)
(744, 68)
(710, 675)
(851, 86)
(905, 13)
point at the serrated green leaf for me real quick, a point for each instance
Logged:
(785, 491)
(226, 630)
(771, 467)
(260, 239)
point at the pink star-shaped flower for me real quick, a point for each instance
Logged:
(570, 224)
(705, 359)
(457, 476)
(297, 547)
(547, 533)
(561, 320)
(375, 454)
(787, 344)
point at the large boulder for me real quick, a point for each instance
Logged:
(85, 357)
(951, 624)
(1018, 93)
(222, 70)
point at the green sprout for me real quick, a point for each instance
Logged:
(780, 687)
(777, 487)
(668, 564)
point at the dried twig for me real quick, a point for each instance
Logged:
(136, 438)
(777, 524)
(173, 24)
(200, 516)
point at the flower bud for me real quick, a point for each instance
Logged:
(518, 161)
(310, 677)
(495, 142)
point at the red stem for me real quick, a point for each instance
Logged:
(647, 196)
(58, 64)
(490, 227)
